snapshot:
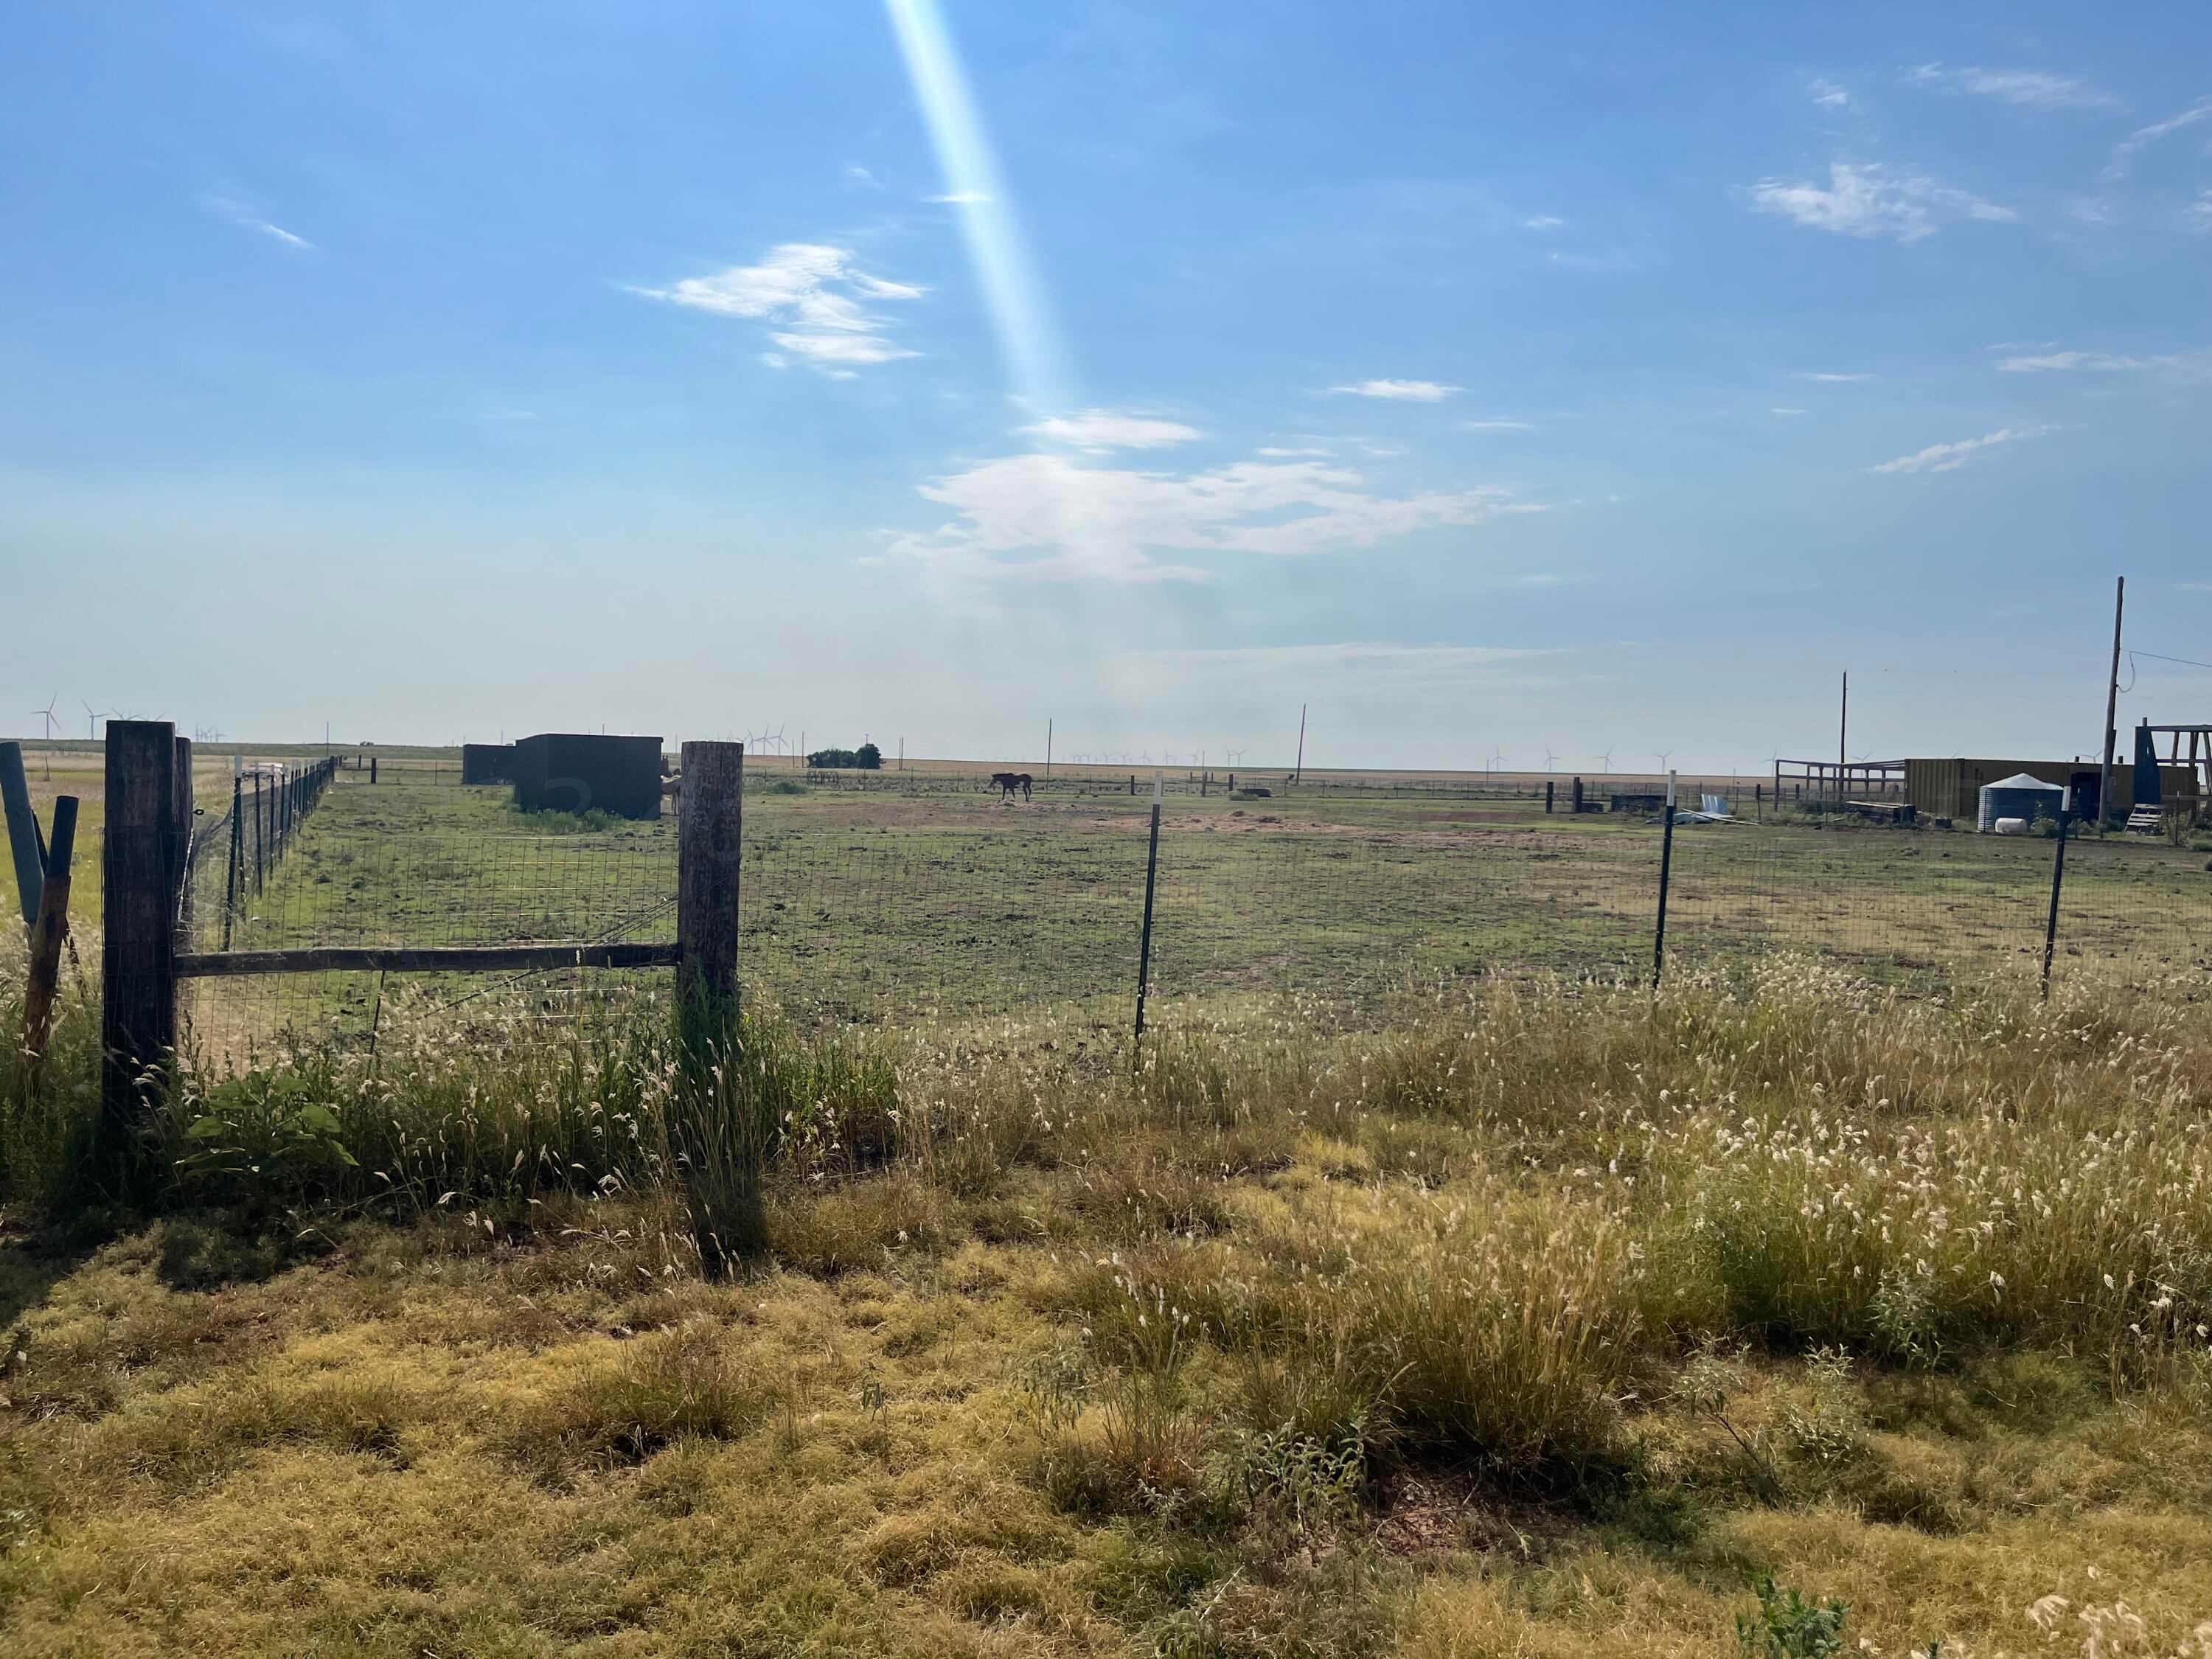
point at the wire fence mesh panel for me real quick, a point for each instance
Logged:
(1344, 920)
(1917, 908)
(858, 917)
(2136, 912)
(428, 865)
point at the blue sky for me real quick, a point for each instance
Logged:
(1498, 380)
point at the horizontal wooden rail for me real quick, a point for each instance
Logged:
(445, 959)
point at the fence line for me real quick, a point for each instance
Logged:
(1097, 907)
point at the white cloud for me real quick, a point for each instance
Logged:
(1274, 454)
(2030, 89)
(1829, 95)
(1829, 380)
(2189, 368)
(1046, 517)
(959, 199)
(1497, 426)
(859, 174)
(1949, 458)
(2060, 362)
(1408, 392)
(1868, 201)
(1099, 430)
(2199, 110)
(243, 216)
(1789, 411)
(2198, 214)
(810, 289)
(1543, 222)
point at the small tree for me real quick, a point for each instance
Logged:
(868, 757)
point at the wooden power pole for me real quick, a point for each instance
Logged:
(1298, 772)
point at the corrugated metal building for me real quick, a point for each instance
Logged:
(1952, 789)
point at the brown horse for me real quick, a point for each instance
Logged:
(1010, 782)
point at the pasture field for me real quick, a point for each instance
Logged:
(886, 903)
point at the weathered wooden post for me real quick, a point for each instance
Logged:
(721, 1138)
(138, 889)
(47, 933)
(23, 830)
(707, 841)
(1549, 786)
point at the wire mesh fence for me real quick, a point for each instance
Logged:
(885, 909)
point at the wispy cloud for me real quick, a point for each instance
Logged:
(1498, 425)
(1543, 222)
(1098, 430)
(2063, 362)
(811, 292)
(1868, 200)
(1828, 94)
(1779, 410)
(1826, 378)
(243, 216)
(959, 199)
(1949, 458)
(2187, 368)
(1277, 454)
(1408, 392)
(2198, 212)
(2199, 110)
(2029, 89)
(1044, 517)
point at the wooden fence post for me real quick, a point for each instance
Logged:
(138, 889)
(707, 842)
(47, 936)
(23, 830)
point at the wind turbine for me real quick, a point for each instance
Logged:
(47, 715)
(1549, 758)
(1497, 758)
(1663, 754)
(1606, 758)
(91, 721)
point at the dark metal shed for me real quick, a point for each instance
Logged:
(574, 772)
(487, 762)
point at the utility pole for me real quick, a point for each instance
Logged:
(1298, 772)
(902, 754)
(2112, 710)
(1048, 748)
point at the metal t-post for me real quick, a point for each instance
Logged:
(2058, 880)
(237, 850)
(1144, 939)
(1666, 871)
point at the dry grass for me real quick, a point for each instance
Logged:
(1542, 1323)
